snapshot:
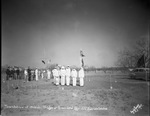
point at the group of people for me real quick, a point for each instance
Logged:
(60, 74)
(64, 75)
(13, 73)
(30, 74)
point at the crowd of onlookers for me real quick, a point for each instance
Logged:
(61, 75)
(13, 73)
(23, 73)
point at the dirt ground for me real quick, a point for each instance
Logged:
(102, 95)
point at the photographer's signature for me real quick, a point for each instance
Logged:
(136, 108)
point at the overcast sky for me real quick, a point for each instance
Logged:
(58, 29)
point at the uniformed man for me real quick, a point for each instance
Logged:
(63, 74)
(68, 72)
(26, 75)
(56, 76)
(36, 74)
(74, 76)
(42, 74)
(48, 74)
(81, 76)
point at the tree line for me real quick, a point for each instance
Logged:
(137, 56)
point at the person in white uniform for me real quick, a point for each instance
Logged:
(74, 76)
(63, 74)
(42, 74)
(68, 73)
(48, 74)
(36, 74)
(56, 76)
(81, 76)
(26, 75)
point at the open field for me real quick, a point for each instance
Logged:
(96, 98)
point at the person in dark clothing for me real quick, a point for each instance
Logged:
(18, 73)
(13, 73)
(7, 73)
(29, 74)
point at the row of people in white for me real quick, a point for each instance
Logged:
(63, 75)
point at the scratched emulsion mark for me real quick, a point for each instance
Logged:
(136, 108)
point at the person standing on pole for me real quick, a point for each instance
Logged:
(81, 58)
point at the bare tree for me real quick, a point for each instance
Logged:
(129, 58)
(126, 58)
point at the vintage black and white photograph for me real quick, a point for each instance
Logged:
(75, 58)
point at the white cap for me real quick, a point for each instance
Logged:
(63, 67)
